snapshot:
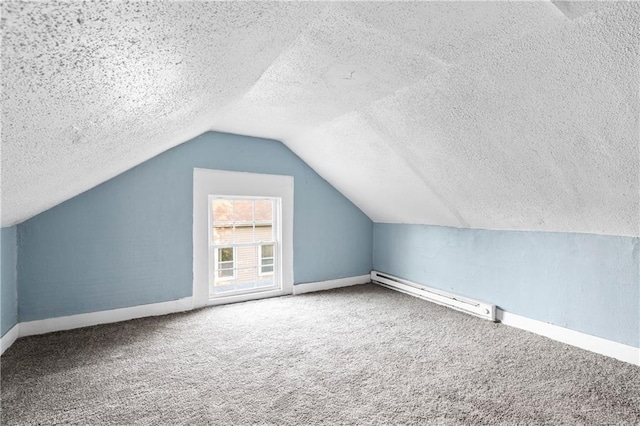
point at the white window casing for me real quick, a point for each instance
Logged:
(208, 182)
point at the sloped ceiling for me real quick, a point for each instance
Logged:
(495, 115)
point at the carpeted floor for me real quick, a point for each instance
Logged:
(359, 355)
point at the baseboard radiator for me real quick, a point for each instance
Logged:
(469, 306)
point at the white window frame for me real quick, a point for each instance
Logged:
(214, 248)
(241, 185)
(216, 261)
(262, 265)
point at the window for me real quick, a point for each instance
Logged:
(225, 263)
(243, 238)
(266, 260)
(234, 215)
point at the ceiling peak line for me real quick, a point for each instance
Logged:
(231, 105)
(383, 135)
(573, 10)
(445, 66)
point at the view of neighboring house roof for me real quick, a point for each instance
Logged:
(500, 115)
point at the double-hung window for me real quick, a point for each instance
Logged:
(266, 259)
(242, 244)
(225, 263)
(242, 236)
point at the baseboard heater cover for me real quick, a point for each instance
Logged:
(469, 306)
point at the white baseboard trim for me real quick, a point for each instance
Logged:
(591, 343)
(9, 337)
(104, 317)
(123, 314)
(328, 285)
(588, 342)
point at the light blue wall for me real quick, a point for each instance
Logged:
(129, 241)
(8, 285)
(588, 283)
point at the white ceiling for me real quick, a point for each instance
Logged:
(492, 115)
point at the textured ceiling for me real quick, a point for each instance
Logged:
(493, 115)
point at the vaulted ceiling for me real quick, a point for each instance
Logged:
(498, 115)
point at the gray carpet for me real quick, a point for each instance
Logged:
(359, 355)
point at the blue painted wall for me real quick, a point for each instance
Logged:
(8, 284)
(588, 283)
(128, 241)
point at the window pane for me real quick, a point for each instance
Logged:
(243, 234)
(246, 257)
(222, 235)
(243, 231)
(225, 254)
(222, 211)
(264, 211)
(264, 232)
(266, 259)
(266, 281)
(223, 273)
(243, 210)
(267, 251)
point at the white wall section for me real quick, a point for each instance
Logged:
(500, 115)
